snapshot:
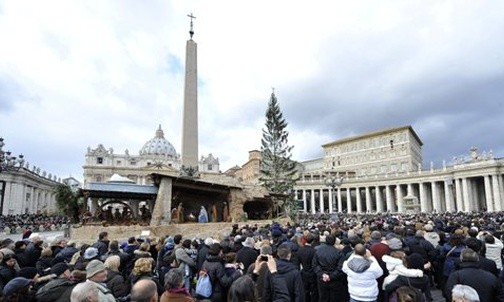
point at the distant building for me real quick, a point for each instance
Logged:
(383, 171)
(27, 191)
(157, 154)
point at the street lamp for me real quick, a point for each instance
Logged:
(8, 163)
(333, 180)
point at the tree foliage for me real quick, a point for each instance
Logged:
(278, 171)
(67, 201)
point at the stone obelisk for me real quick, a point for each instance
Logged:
(190, 117)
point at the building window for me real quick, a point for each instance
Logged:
(119, 162)
(133, 163)
(99, 160)
(98, 178)
(209, 167)
(28, 196)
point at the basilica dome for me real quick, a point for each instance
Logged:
(159, 146)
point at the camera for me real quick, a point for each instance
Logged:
(264, 257)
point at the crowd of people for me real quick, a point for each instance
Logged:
(338, 257)
(17, 224)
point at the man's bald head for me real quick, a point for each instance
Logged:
(144, 290)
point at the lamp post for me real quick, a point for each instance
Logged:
(333, 180)
(8, 163)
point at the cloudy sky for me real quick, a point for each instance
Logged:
(75, 74)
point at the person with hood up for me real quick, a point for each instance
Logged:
(203, 215)
(362, 270)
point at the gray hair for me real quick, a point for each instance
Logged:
(83, 291)
(173, 278)
(469, 255)
(465, 292)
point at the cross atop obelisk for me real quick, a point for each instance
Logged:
(191, 31)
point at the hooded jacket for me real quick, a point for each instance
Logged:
(361, 275)
(395, 268)
(57, 290)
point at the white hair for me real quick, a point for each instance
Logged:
(83, 291)
(465, 292)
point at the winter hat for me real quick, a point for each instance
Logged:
(415, 261)
(90, 253)
(428, 227)
(15, 285)
(249, 242)
(209, 241)
(276, 232)
(237, 238)
(395, 244)
(94, 267)
(59, 268)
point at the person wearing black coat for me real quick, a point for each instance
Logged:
(7, 270)
(203, 252)
(331, 280)
(484, 263)
(305, 255)
(214, 267)
(102, 244)
(413, 261)
(247, 254)
(66, 254)
(287, 271)
(488, 286)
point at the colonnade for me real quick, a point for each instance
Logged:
(424, 193)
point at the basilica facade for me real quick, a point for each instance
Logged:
(157, 154)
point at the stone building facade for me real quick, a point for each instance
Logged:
(157, 154)
(382, 171)
(27, 191)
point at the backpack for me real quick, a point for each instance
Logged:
(204, 285)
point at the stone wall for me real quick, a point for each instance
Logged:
(89, 233)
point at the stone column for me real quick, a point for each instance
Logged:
(305, 205)
(388, 197)
(379, 200)
(340, 202)
(400, 199)
(312, 201)
(358, 200)
(465, 193)
(93, 207)
(331, 200)
(458, 195)
(488, 194)
(162, 208)
(321, 200)
(436, 198)
(497, 192)
(450, 202)
(349, 201)
(423, 197)
(369, 206)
